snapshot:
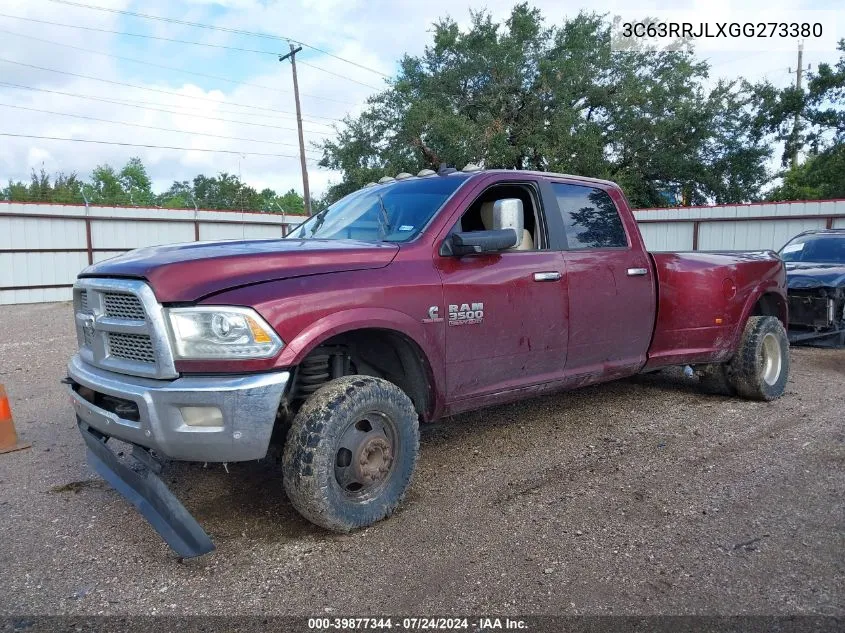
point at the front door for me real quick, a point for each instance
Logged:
(505, 313)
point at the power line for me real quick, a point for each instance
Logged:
(186, 149)
(330, 72)
(148, 127)
(158, 90)
(149, 37)
(147, 104)
(130, 103)
(218, 28)
(191, 42)
(171, 68)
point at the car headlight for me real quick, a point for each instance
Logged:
(221, 333)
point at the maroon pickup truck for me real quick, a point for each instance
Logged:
(412, 299)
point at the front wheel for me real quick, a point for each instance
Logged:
(350, 452)
(760, 368)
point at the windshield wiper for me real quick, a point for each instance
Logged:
(318, 220)
(383, 219)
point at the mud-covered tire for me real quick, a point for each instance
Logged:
(760, 368)
(321, 430)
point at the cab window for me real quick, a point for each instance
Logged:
(590, 217)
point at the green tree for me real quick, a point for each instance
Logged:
(524, 95)
(133, 186)
(15, 192)
(67, 188)
(227, 191)
(820, 177)
(40, 189)
(105, 187)
(289, 202)
(820, 112)
(136, 183)
(178, 196)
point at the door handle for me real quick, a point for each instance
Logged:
(637, 272)
(548, 276)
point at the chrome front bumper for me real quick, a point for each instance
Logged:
(248, 405)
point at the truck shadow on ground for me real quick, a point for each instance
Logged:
(569, 408)
(248, 501)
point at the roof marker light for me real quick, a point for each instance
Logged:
(470, 167)
(426, 172)
(385, 179)
(403, 175)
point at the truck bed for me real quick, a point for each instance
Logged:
(703, 298)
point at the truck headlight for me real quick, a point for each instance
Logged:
(221, 333)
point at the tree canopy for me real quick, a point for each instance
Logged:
(527, 95)
(811, 120)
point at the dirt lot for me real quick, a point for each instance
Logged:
(642, 497)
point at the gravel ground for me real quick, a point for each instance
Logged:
(638, 497)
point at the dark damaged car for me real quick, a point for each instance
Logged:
(815, 268)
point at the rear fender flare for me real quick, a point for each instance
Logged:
(766, 287)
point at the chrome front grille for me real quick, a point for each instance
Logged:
(137, 347)
(123, 306)
(120, 327)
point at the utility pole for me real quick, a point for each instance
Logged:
(796, 126)
(305, 189)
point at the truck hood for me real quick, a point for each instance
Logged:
(191, 271)
(814, 275)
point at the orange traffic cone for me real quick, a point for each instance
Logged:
(8, 436)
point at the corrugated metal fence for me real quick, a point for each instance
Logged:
(736, 227)
(44, 246)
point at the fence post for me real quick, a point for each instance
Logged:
(88, 241)
(196, 219)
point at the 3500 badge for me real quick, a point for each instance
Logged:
(466, 314)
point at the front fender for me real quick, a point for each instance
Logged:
(331, 325)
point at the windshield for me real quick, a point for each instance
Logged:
(393, 212)
(829, 249)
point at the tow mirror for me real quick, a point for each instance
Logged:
(477, 242)
(506, 218)
(508, 214)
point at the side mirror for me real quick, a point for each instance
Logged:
(478, 242)
(508, 214)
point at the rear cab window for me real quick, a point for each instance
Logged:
(590, 217)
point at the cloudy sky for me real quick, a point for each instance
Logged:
(101, 75)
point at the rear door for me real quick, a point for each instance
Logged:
(609, 281)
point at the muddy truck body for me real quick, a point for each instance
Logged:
(409, 300)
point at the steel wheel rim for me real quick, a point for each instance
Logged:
(772, 359)
(366, 456)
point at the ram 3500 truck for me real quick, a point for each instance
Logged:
(406, 301)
